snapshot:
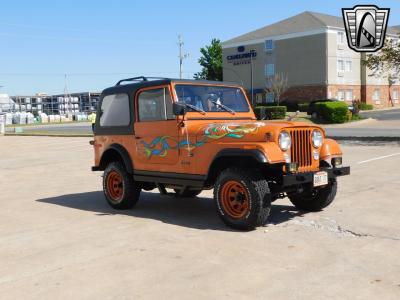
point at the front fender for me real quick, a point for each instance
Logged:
(273, 153)
(330, 148)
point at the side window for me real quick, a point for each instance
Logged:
(155, 105)
(115, 110)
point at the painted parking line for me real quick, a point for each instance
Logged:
(377, 158)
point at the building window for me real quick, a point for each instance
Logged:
(269, 70)
(269, 45)
(349, 95)
(395, 94)
(340, 37)
(269, 97)
(259, 97)
(349, 65)
(341, 65)
(155, 105)
(340, 95)
(376, 95)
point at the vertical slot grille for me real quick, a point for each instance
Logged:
(301, 151)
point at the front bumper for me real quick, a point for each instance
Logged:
(308, 177)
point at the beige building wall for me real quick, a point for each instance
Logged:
(302, 59)
(241, 73)
(317, 67)
(336, 52)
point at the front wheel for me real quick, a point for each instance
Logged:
(119, 188)
(242, 198)
(315, 199)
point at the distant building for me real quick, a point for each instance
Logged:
(311, 50)
(57, 104)
(6, 103)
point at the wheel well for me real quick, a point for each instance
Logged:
(224, 162)
(111, 155)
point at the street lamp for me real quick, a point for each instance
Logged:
(251, 77)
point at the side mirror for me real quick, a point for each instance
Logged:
(179, 109)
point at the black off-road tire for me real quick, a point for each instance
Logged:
(187, 193)
(258, 193)
(127, 190)
(316, 199)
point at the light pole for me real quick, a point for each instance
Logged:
(251, 75)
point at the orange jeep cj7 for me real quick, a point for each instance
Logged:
(190, 135)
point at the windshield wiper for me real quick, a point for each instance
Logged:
(195, 108)
(223, 106)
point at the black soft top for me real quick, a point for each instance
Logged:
(142, 82)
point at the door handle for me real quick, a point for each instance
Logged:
(137, 137)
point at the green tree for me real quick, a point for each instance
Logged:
(385, 60)
(211, 61)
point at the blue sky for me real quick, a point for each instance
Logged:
(98, 42)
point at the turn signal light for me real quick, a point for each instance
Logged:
(336, 162)
(292, 167)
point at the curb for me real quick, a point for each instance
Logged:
(366, 138)
(349, 124)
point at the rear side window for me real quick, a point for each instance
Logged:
(115, 110)
(155, 105)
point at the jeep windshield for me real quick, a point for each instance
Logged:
(212, 98)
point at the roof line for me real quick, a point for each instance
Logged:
(315, 18)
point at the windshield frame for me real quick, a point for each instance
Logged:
(217, 85)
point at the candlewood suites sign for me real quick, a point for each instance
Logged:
(242, 57)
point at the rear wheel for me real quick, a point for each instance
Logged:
(187, 193)
(242, 198)
(315, 199)
(119, 188)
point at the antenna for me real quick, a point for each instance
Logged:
(182, 55)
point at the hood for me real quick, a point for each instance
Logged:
(246, 131)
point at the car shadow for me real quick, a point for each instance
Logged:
(197, 212)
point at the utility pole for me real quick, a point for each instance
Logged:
(182, 55)
(251, 79)
(66, 95)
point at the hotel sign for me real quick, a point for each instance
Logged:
(243, 57)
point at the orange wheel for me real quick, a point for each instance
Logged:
(120, 190)
(115, 186)
(235, 199)
(242, 198)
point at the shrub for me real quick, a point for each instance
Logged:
(270, 112)
(365, 106)
(333, 112)
(290, 106)
(303, 107)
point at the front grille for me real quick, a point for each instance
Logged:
(301, 149)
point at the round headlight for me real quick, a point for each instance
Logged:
(284, 140)
(317, 138)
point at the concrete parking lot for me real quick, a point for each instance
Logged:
(60, 240)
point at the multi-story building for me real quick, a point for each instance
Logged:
(311, 51)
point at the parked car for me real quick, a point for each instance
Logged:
(191, 135)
